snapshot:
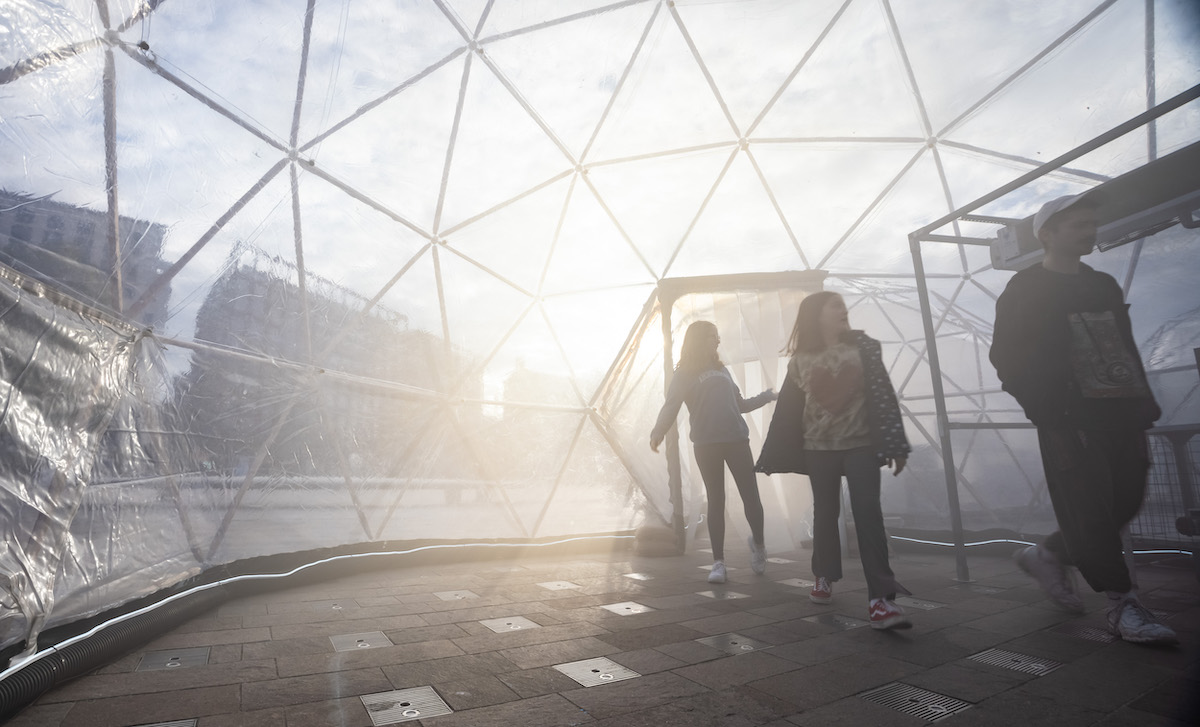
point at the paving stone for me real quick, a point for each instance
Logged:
(536, 682)
(1015, 707)
(475, 692)
(737, 621)
(492, 641)
(41, 715)
(1087, 686)
(962, 682)
(819, 649)
(854, 712)
(632, 695)
(145, 683)
(826, 682)
(559, 652)
(736, 707)
(259, 718)
(646, 661)
(743, 668)
(347, 712)
(345, 626)
(187, 640)
(313, 688)
(291, 666)
(650, 637)
(1020, 621)
(457, 668)
(150, 708)
(551, 710)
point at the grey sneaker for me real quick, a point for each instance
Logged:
(1051, 576)
(758, 557)
(717, 574)
(1134, 623)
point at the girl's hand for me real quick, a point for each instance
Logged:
(897, 464)
(773, 396)
(654, 443)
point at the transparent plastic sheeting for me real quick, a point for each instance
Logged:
(333, 273)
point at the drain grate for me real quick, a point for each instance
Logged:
(513, 623)
(626, 608)
(1091, 633)
(918, 603)
(796, 583)
(640, 576)
(174, 659)
(594, 672)
(559, 585)
(1017, 662)
(456, 595)
(722, 595)
(734, 643)
(367, 640)
(985, 590)
(836, 620)
(404, 705)
(916, 702)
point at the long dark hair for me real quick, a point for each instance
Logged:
(692, 356)
(806, 334)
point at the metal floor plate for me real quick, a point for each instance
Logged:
(836, 620)
(174, 659)
(916, 702)
(594, 672)
(456, 595)
(1082, 631)
(353, 642)
(626, 608)
(796, 583)
(404, 705)
(734, 643)
(559, 585)
(512, 623)
(918, 603)
(1017, 662)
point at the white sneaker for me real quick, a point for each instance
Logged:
(717, 574)
(1130, 620)
(758, 557)
(1051, 576)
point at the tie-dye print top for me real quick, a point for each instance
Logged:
(835, 414)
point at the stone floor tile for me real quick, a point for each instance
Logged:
(313, 688)
(830, 681)
(650, 637)
(633, 695)
(537, 682)
(475, 692)
(551, 710)
(646, 661)
(162, 681)
(338, 661)
(558, 652)
(492, 641)
(962, 682)
(148, 708)
(260, 718)
(735, 707)
(854, 712)
(456, 668)
(345, 712)
(742, 669)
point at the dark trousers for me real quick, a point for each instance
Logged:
(711, 460)
(861, 469)
(1096, 479)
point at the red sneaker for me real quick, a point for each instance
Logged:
(822, 591)
(885, 614)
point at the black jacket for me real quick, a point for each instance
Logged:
(1032, 354)
(783, 447)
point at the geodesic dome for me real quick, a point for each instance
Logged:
(286, 276)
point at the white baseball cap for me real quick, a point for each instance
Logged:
(1055, 206)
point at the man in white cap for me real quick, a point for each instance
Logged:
(1063, 347)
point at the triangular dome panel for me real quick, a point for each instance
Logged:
(853, 86)
(591, 248)
(392, 152)
(739, 230)
(499, 151)
(586, 56)
(665, 69)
